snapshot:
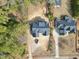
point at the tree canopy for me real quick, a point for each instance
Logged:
(10, 31)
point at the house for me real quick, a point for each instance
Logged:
(65, 25)
(39, 26)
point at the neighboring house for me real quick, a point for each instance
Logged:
(39, 26)
(65, 25)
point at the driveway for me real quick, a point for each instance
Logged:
(63, 10)
(42, 44)
(36, 49)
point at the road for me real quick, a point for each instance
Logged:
(51, 57)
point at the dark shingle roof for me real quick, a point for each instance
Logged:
(64, 25)
(39, 26)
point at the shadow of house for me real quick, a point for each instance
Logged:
(65, 25)
(39, 25)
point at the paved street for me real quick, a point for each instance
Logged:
(50, 57)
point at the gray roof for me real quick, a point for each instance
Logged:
(64, 25)
(39, 26)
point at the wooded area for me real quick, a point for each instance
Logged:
(11, 28)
